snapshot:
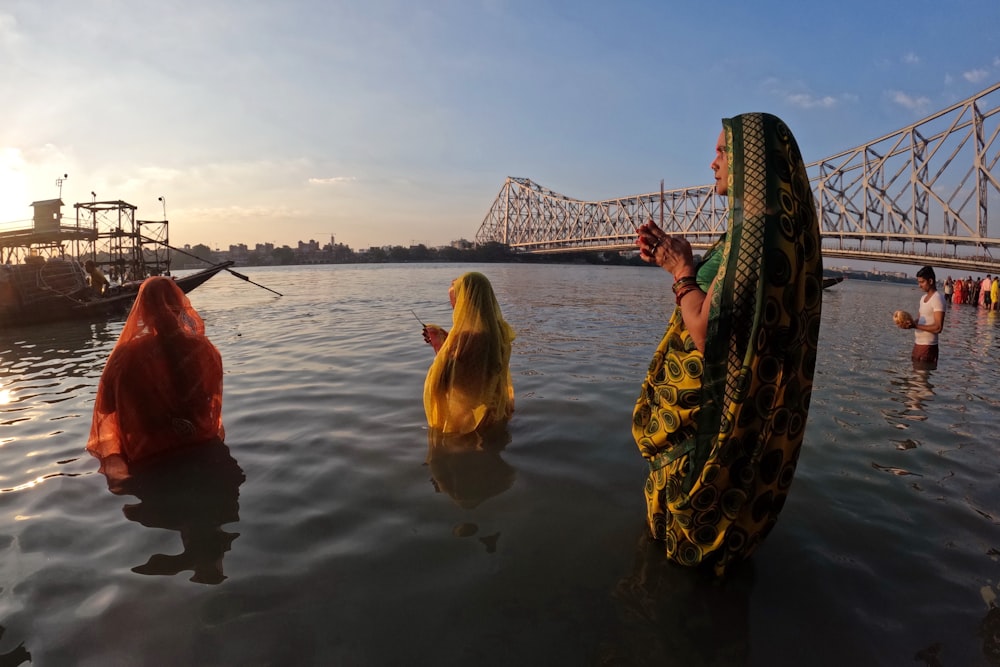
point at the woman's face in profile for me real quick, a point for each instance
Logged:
(451, 294)
(720, 165)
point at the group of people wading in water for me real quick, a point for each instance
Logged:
(984, 293)
(720, 416)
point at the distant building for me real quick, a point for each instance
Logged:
(48, 215)
(239, 253)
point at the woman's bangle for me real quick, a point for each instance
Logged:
(683, 284)
(680, 294)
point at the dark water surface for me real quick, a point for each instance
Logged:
(330, 532)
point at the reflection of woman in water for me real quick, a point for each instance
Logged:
(722, 412)
(468, 387)
(161, 389)
(665, 616)
(469, 468)
(194, 492)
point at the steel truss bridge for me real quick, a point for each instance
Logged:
(920, 195)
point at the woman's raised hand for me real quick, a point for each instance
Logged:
(648, 238)
(668, 252)
(434, 336)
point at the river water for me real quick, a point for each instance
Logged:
(325, 534)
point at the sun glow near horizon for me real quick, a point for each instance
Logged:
(15, 197)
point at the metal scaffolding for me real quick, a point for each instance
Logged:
(103, 231)
(126, 248)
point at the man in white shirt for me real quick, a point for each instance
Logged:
(929, 323)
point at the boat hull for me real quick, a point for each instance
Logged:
(59, 307)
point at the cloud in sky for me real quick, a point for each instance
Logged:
(914, 103)
(911, 58)
(331, 180)
(975, 75)
(10, 37)
(793, 95)
(807, 101)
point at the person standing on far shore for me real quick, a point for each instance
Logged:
(928, 324)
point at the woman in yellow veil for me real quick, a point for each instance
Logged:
(722, 412)
(468, 387)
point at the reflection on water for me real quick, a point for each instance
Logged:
(668, 614)
(16, 656)
(912, 389)
(43, 364)
(990, 632)
(194, 492)
(47, 378)
(57, 349)
(469, 468)
(868, 565)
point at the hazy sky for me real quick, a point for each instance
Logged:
(396, 122)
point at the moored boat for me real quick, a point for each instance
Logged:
(42, 278)
(56, 290)
(831, 281)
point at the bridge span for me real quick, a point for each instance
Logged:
(920, 195)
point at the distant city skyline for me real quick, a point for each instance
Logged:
(833, 264)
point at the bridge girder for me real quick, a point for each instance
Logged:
(920, 195)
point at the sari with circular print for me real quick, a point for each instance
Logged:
(722, 430)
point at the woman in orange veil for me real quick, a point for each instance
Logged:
(468, 387)
(161, 389)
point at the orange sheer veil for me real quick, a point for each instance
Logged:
(469, 385)
(161, 388)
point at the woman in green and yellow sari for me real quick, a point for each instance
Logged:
(723, 409)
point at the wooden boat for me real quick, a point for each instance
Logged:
(41, 274)
(57, 291)
(830, 282)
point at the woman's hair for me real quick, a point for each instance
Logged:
(161, 307)
(477, 312)
(475, 302)
(469, 385)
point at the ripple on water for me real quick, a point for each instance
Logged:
(338, 511)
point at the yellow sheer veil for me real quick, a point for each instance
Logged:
(469, 385)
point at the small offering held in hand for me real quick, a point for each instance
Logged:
(902, 319)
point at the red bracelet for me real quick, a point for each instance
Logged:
(684, 283)
(684, 291)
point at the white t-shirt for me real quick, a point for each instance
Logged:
(928, 306)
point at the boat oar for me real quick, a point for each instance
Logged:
(243, 277)
(190, 254)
